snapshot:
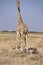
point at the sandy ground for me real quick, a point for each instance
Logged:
(8, 56)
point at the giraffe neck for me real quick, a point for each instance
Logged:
(19, 16)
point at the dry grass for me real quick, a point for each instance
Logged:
(9, 57)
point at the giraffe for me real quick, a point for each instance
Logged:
(22, 28)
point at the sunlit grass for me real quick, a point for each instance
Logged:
(8, 56)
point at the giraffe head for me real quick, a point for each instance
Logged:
(18, 3)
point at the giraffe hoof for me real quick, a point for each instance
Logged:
(21, 49)
(24, 50)
(16, 50)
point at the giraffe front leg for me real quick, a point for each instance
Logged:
(21, 45)
(16, 45)
(26, 43)
(17, 39)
